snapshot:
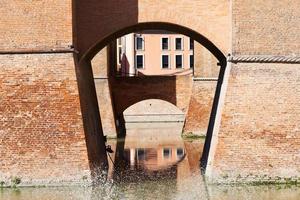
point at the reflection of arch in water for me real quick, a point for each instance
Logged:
(88, 96)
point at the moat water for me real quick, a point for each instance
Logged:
(155, 164)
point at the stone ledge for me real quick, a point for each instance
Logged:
(264, 59)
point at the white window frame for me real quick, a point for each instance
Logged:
(161, 60)
(182, 43)
(119, 41)
(118, 53)
(118, 50)
(191, 54)
(179, 54)
(161, 43)
(143, 43)
(135, 59)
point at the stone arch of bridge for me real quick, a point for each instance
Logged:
(153, 110)
(134, 101)
(88, 96)
(150, 100)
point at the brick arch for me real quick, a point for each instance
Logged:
(103, 42)
(95, 19)
(88, 96)
(127, 91)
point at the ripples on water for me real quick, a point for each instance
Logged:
(152, 167)
(154, 190)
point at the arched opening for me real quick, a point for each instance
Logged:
(87, 56)
(154, 113)
(90, 108)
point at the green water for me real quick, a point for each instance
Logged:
(158, 167)
(164, 189)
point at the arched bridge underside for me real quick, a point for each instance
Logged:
(127, 91)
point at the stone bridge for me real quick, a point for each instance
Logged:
(177, 90)
(50, 126)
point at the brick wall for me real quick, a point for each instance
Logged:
(266, 27)
(127, 91)
(259, 131)
(100, 64)
(95, 19)
(194, 98)
(259, 135)
(43, 24)
(100, 67)
(206, 65)
(200, 106)
(41, 121)
(41, 130)
(106, 107)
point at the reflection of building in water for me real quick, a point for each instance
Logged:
(155, 52)
(154, 159)
(147, 156)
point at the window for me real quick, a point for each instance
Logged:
(120, 55)
(179, 61)
(191, 61)
(139, 41)
(140, 154)
(139, 61)
(165, 43)
(179, 152)
(165, 61)
(191, 44)
(178, 44)
(167, 152)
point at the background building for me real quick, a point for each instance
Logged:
(155, 52)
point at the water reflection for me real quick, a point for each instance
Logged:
(155, 166)
(153, 156)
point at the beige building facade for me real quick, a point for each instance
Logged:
(155, 52)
